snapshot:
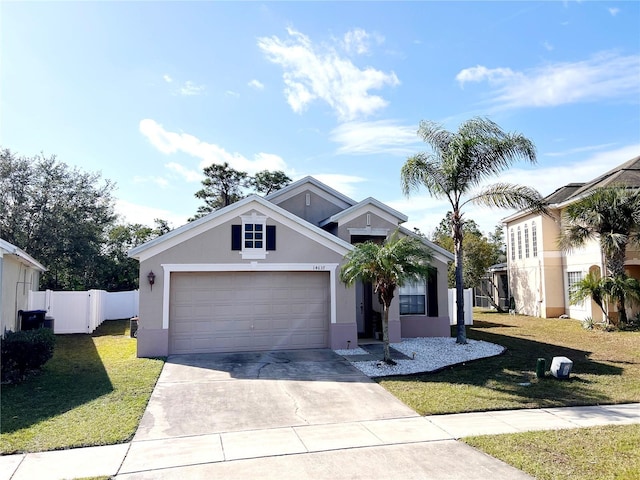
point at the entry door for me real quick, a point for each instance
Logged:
(364, 310)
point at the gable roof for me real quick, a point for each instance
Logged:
(291, 189)
(445, 255)
(23, 257)
(213, 219)
(361, 205)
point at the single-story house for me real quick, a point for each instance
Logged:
(263, 274)
(19, 275)
(541, 274)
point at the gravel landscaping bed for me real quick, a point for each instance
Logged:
(428, 355)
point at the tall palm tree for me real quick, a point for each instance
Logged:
(394, 263)
(456, 169)
(612, 216)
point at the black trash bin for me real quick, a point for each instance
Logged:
(31, 319)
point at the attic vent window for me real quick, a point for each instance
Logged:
(368, 219)
(308, 199)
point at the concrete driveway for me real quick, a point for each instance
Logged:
(304, 414)
(218, 393)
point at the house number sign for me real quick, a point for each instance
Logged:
(319, 267)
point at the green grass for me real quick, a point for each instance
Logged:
(606, 369)
(92, 392)
(597, 453)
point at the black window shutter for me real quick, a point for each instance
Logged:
(432, 295)
(236, 237)
(271, 237)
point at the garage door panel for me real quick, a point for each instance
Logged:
(236, 311)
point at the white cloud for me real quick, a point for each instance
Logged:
(172, 142)
(572, 151)
(231, 93)
(143, 214)
(256, 84)
(187, 174)
(605, 75)
(314, 72)
(167, 78)
(358, 41)
(189, 88)
(344, 184)
(547, 46)
(160, 181)
(614, 11)
(382, 136)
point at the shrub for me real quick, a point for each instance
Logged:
(25, 350)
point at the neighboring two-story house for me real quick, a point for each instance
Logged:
(263, 274)
(540, 273)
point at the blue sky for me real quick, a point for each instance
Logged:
(149, 93)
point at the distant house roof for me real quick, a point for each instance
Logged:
(23, 257)
(627, 174)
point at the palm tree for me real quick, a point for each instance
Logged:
(591, 286)
(398, 261)
(612, 215)
(460, 162)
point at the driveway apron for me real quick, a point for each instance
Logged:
(217, 393)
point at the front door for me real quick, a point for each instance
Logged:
(364, 315)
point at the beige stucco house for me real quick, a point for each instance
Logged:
(263, 274)
(19, 274)
(540, 273)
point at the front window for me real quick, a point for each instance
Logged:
(413, 299)
(519, 244)
(534, 239)
(526, 240)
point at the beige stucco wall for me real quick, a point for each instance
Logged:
(214, 247)
(17, 280)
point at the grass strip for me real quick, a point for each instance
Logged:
(595, 453)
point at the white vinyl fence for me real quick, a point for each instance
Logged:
(468, 306)
(83, 312)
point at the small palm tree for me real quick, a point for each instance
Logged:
(458, 165)
(388, 266)
(591, 286)
(612, 216)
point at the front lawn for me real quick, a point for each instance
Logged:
(596, 453)
(606, 369)
(92, 392)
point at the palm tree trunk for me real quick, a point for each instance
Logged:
(615, 266)
(456, 225)
(385, 333)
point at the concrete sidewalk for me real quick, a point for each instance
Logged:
(419, 446)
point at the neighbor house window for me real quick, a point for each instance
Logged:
(534, 239)
(519, 243)
(413, 299)
(513, 245)
(572, 279)
(526, 240)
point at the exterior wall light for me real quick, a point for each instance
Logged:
(152, 278)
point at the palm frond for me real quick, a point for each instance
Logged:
(506, 195)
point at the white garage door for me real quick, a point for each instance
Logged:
(248, 311)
